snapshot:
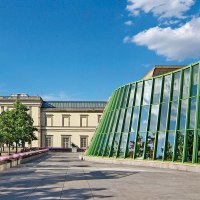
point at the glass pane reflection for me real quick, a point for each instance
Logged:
(170, 146)
(131, 145)
(157, 90)
(122, 148)
(138, 94)
(190, 140)
(160, 145)
(140, 145)
(192, 113)
(154, 117)
(176, 85)
(182, 119)
(131, 98)
(143, 118)
(127, 120)
(180, 142)
(186, 77)
(135, 119)
(115, 144)
(195, 74)
(150, 145)
(167, 86)
(173, 115)
(147, 92)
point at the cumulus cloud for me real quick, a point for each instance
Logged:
(175, 44)
(160, 8)
(128, 23)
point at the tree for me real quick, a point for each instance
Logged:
(16, 126)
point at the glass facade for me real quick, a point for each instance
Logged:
(154, 119)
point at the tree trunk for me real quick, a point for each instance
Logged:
(16, 148)
(8, 149)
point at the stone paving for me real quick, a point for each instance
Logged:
(63, 176)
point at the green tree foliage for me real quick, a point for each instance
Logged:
(16, 126)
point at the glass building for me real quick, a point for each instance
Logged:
(153, 119)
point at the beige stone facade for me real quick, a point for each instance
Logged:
(60, 123)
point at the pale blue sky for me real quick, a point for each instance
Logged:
(83, 50)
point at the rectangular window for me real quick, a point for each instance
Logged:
(66, 120)
(49, 141)
(186, 80)
(138, 94)
(84, 120)
(154, 117)
(170, 146)
(157, 90)
(144, 118)
(180, 144)
(140, 145)
(183, 111)
(192, 113)
(119, 128)
(176, 86)
(127, 120)
(66, 141)
(83, 142)
(195, 75)
(147, 92)
(130, 104)
(135, 119)
(160, 145)
(2, 108)
(150, 145)
(173, 115)
(163, 116)
(99, 118)
(49, 120)
(167, 86)
(124, 103)
(131, 145)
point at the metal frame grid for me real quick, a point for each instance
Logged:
(153, 119)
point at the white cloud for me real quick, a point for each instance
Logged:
(160, 8)
(61, 96)
(175, 44)
(128, 23)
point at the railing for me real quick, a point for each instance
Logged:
(21, 155)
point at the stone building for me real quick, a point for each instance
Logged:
(59, 123)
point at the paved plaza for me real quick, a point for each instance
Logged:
(63, 176)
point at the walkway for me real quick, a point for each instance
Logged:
(63, 176)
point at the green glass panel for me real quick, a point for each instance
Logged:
(143, 118)
(135, 119)
(103, 145)
(100, 149)
(119, 128)
(140, 144)
(180, 144)
(195, 73)
(167, 86)
(150, 145)
(108, 147)
(131, 145)
(147, 92)
(115, 121)
(192, 113)
(120, 98)
(122, 148)
(154, 117)
(170, 145)
(186, 80)
(163, 116)
(190, 140)
(160, 145)
(176, 86)
(182, 119)
(157, 90)
(173, 115)
(124, 103)
(132, 93)
(138, 94)
(127, 120)
(115, 144)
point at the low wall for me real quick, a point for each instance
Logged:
(16, 159)
(146, 163)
